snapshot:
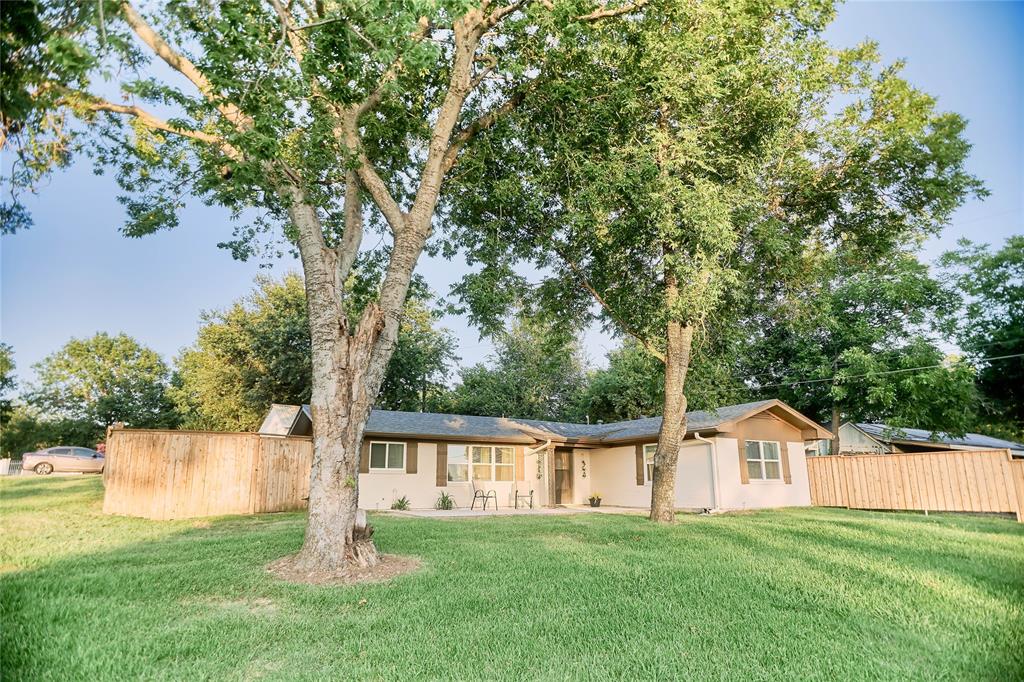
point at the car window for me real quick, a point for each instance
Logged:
(83, 452)
(59, 451)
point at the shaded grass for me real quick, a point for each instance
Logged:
(802, 593)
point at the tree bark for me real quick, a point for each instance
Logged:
(349, 365)
(673, 423)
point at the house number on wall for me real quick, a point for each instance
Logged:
(584, 463)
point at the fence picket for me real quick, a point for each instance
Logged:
(967, 480)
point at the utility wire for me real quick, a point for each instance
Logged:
(888, 371)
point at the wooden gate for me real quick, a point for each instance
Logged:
(950, 480)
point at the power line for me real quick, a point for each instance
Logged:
(888, 371)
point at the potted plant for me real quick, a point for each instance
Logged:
(595, 500)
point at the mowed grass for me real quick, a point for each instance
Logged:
(805, 593)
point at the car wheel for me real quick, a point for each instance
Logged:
(43, 468)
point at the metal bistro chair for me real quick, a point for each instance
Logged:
(527, 498)
(484, 495)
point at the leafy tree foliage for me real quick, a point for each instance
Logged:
(327, 119)
(421, 366)
(631, 387)
(534, 373)
(102, 380)
(633, 384)
(703, 147)
(254, 353)
(40, 54)
(257, 352)
(8, 382)
(25, 429)
(849, 340)
(992, 325)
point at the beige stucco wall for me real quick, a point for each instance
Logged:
(378, 489)
(610, 472)
(761, 494)
(613, 475)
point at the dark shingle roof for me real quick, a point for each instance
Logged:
(886, 433)
(390, 422)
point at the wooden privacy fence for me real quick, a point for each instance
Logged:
(186, 474)
(951, 480)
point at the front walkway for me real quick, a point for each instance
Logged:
(463, 512)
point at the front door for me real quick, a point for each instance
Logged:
(563, 475)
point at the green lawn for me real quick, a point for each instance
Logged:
(812, 594)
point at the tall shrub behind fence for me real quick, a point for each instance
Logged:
(951, 480)
(186, 474)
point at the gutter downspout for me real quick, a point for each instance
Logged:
(713, 452)
(533, 451)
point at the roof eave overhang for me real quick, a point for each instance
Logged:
(454, 438)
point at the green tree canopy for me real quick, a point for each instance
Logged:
(328, 120)
(102, 380)
(661, 162)
(534, 373)
(257, 352)
(991, 325)
(856, 341)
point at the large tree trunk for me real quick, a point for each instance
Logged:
(348, 370)
(343, 371)
(679, 339)
(673, 423)
(349, 365)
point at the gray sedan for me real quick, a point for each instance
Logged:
(63, 458)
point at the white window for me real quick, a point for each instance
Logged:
(504, 464)
(649, 451)
(763, 463)
(481, 462)
(387, 456)
(458, 464)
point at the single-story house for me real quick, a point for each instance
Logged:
(745, 456)
(864, 438)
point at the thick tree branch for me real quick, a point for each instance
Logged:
(609, 12)
(348, 249)
(391, 73)
(596, 295)
(481, 124)
(468, 30)
(290, 32)
(182, 65)
(151, 121)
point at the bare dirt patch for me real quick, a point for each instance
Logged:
(388, 567)
(259, 606)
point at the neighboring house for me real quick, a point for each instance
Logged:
(737, 457)
(882, 438)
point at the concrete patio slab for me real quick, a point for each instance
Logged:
(463, 513)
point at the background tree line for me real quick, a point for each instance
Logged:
(865, 345)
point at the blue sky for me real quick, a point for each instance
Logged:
(73, 274)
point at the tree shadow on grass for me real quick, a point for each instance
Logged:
(509, 598)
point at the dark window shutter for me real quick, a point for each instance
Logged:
(639, 464)
(364, 457)
(744, 474)
(442, 465)
(411, 456)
